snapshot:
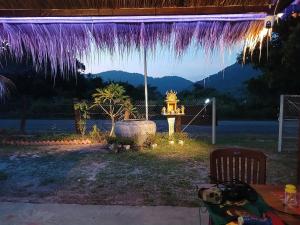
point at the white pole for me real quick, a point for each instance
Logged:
(214, 121)
(280, 123)
(146, 83)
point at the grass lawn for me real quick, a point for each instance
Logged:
(167, 175)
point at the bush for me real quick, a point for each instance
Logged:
(120, 141)
(96, 135)
(151, 139)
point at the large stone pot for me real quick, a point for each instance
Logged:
(138, 130)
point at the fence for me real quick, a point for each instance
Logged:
(59, 115)
(191, 109)
(289, 123)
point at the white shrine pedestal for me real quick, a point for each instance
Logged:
(171, 122)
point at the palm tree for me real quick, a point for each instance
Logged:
(6, 86)
(111, 100)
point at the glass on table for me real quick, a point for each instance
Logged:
(290, 195)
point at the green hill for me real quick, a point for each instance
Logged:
(163, 84)
(231, 80)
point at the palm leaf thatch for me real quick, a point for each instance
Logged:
(85, 4)
(58, 45)
(6, 86)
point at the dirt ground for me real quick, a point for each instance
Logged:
(92, 175)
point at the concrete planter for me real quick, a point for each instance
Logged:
(138, 130)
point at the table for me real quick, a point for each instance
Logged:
(272, 195)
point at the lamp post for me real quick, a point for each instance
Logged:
(214, 121)
(146, 83)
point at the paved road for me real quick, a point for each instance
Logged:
(224, 127)
(63, 214)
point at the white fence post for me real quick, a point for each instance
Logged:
(280, 120)
(214, 121)
(146, 83)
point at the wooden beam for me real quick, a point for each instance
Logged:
(298, 163)
(205, 10)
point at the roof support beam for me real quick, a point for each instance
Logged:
(204, 10)
(134, 19)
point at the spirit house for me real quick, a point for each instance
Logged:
(172, 107)
(173, 112)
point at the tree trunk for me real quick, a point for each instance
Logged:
(23, 114)
(113, 124)
(126, 115)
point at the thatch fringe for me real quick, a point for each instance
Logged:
(6, 86)
(60, 44)
(71, 4)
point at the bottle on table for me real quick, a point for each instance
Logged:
(290, 195)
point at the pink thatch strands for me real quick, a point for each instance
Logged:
(58, 45)
(6, 86)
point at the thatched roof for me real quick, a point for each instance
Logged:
(60, 43)
(85, 4)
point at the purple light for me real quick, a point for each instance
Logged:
(135, 19)
(58, 41)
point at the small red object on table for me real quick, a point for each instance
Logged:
(274, 196)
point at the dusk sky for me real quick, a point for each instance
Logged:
(194, 65)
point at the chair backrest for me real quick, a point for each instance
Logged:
(238, 164)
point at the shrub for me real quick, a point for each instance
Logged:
(84, 115)
(120, 141)
(151, 139)
(96, 135)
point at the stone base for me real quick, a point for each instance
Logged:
(138, 130)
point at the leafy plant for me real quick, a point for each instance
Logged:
(96, 134)
(129, 110)
(111, 100)
(83, 108)
(151, 139)
(120, 141)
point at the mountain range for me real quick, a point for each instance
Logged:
(163, 84)
(231, 80)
